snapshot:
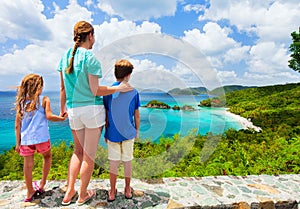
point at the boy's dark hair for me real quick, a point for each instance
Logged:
(123, 68)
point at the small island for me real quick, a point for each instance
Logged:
(157, 104)
(185, 108)
(162, 105)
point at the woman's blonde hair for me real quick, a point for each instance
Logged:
(29, 90)
(81, 30)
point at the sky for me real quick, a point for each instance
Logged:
(171, 43)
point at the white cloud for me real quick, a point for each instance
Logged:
(22, 19)
(214, 39)
(269, 19)
(227, 77)
(194, 7)
(267, 57)
(216, 44)
(269, 79)
(113, 30)
(138, 10)
(237, 54)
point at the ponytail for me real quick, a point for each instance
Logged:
(81, 31)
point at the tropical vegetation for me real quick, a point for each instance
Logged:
(274, 150)
(294, 62)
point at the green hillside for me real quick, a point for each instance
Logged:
(228, 89)
(188, 91)
(202, 90)
(271, 105)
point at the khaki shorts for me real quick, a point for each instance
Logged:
(92, 116)
(120, 150)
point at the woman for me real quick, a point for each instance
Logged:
(79, 72)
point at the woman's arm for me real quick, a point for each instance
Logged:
(62, 96)
(106, 90)
(18, 133)
(49, 115)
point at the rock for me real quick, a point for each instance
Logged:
(138, 193)
(241, 205)
(263, 187)
(4, 202)
(173, 204)
(30, 204)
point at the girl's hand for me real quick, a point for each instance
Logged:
(17, 149)
(64, 115)
(124, 87)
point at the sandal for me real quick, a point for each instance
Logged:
(131, 193)
(111, 200)
(37, 188)
(31, 198)
(91, 194)
(71, 200)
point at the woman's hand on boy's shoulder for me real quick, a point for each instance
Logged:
(124, 87)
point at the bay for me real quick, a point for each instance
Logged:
(155, 123)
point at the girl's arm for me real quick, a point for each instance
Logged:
(137, 121)
(62, 96)
(106, 90)
(49, 115)
(18, 133)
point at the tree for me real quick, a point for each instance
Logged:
(294, 62)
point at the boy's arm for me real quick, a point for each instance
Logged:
(18, 133)
(49, 115)
(137, 121)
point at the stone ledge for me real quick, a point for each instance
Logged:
(241, 205)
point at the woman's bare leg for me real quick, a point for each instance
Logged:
(75, 164)
(91, 140)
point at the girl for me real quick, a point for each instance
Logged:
(31, 127)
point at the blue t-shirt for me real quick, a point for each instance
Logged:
(34, 128)
(77, 87)
(120, 108)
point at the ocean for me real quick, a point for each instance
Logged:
(155, 123)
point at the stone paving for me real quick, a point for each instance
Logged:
(213, 192)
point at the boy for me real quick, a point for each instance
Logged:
(122, 125)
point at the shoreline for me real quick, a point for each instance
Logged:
(246, 124)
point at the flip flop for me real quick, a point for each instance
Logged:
(37, 188)
(71, 200)
(90, 196)
(131, 194)
(111, 200)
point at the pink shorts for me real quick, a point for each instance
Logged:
(28, 150)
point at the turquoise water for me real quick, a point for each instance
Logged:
(154, 122)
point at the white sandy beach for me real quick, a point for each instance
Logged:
(247, 124)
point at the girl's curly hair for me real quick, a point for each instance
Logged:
(29, 90)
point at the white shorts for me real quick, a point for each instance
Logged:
(120, 150)
(92, 116)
